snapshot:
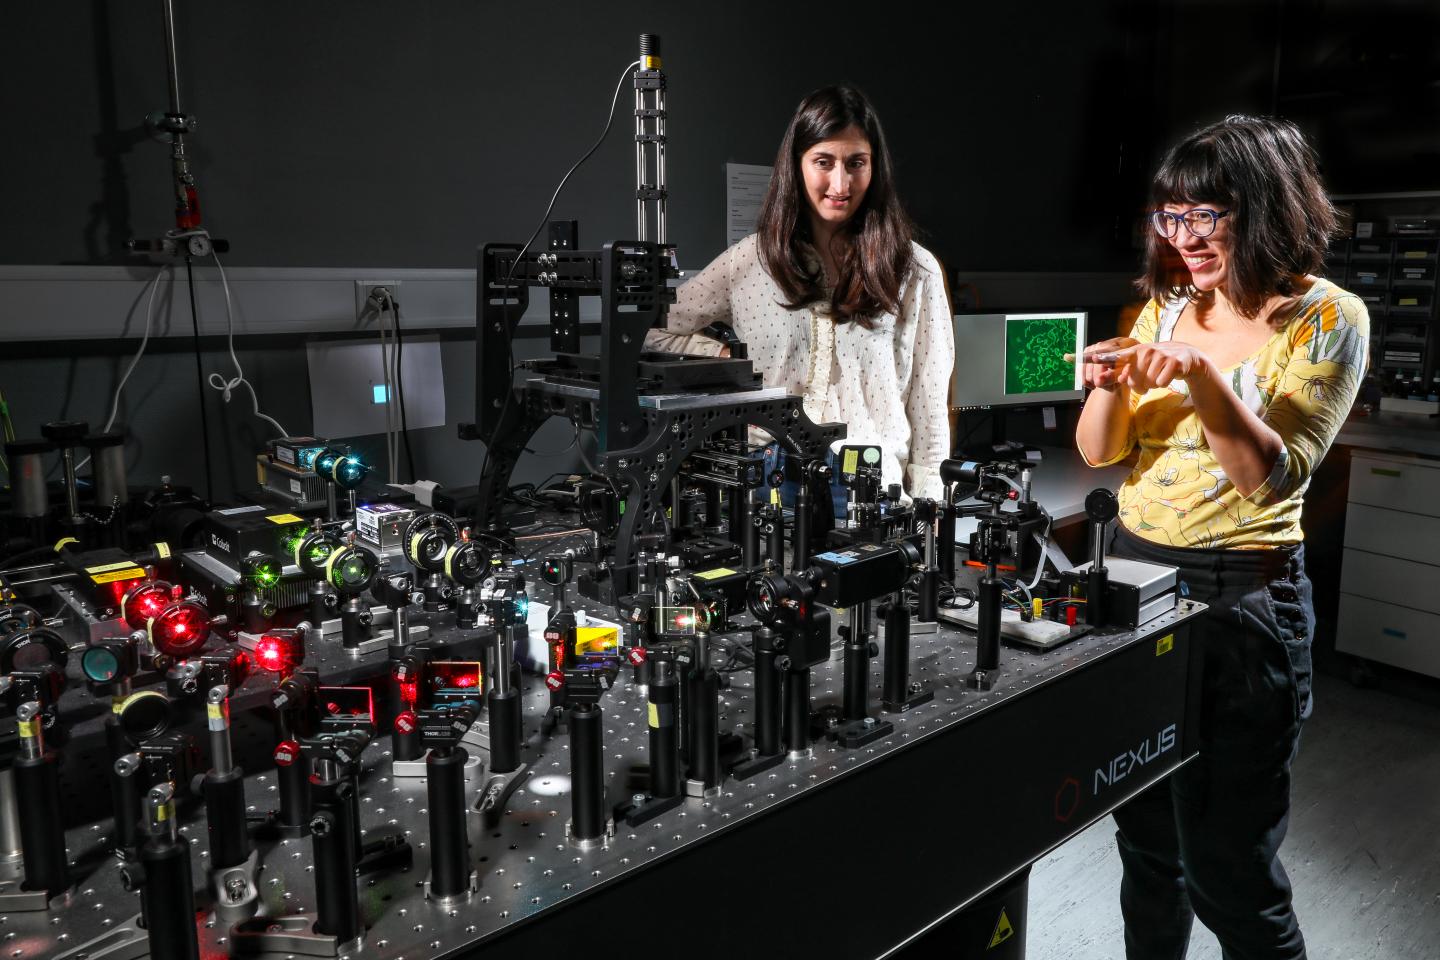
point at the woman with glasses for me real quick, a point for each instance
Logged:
(832, 298)
(1228, 392)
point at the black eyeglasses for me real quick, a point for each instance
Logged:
(1200, 221)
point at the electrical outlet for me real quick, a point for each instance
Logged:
(364, 310)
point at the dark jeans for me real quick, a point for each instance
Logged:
(1204, 841)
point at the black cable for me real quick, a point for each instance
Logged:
(541, 487)
(985, 416)
(740, 656)
(200, 381)
(33, 553)
(574, 439)
(580, 449)
(400, 385)
(525, 493)
(504, 310)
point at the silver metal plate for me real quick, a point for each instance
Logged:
(669, 401)
(1148, 579)
(691, 401)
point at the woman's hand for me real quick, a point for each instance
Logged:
(1102, 375)
(1147, 366)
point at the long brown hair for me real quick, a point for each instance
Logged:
(1281, 220)
(876, 251)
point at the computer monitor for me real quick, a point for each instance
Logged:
(1016, 359)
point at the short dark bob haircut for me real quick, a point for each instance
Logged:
(876, 241)
(1281, 220)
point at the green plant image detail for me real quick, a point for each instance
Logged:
(1035, 351)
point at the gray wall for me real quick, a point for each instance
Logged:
(358, 134)
(165, 436)
(404, 134)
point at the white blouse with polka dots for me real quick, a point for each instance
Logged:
(889, 384)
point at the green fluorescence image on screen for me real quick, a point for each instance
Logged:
(1035, 349)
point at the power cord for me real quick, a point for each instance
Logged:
(376, 302)
(574, 439)
(216, 381)
(129, 369)
(400, 383)
(8, 429)
(505, 310)
(144, 339)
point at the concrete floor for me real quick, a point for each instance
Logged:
(1363, 850)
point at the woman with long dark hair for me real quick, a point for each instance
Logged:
(834, 300)
(1228, 392)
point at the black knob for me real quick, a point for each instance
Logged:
(132, 877)
(65, 433)
(1101, 505)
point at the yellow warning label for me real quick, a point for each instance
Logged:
(134, 573)
(27, 729)
(716, 573)
(654, 717)
(162, 813)
(213, 711)
(107, 567)
(1165, 644)
(852, 460)
(162, 550)
(775, 496)
(596, 639)
(284, 518)
(1003, 931)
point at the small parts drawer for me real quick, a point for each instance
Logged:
(1392, 533)
(1396, 483)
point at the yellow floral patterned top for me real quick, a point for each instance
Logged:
(1301, 383)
